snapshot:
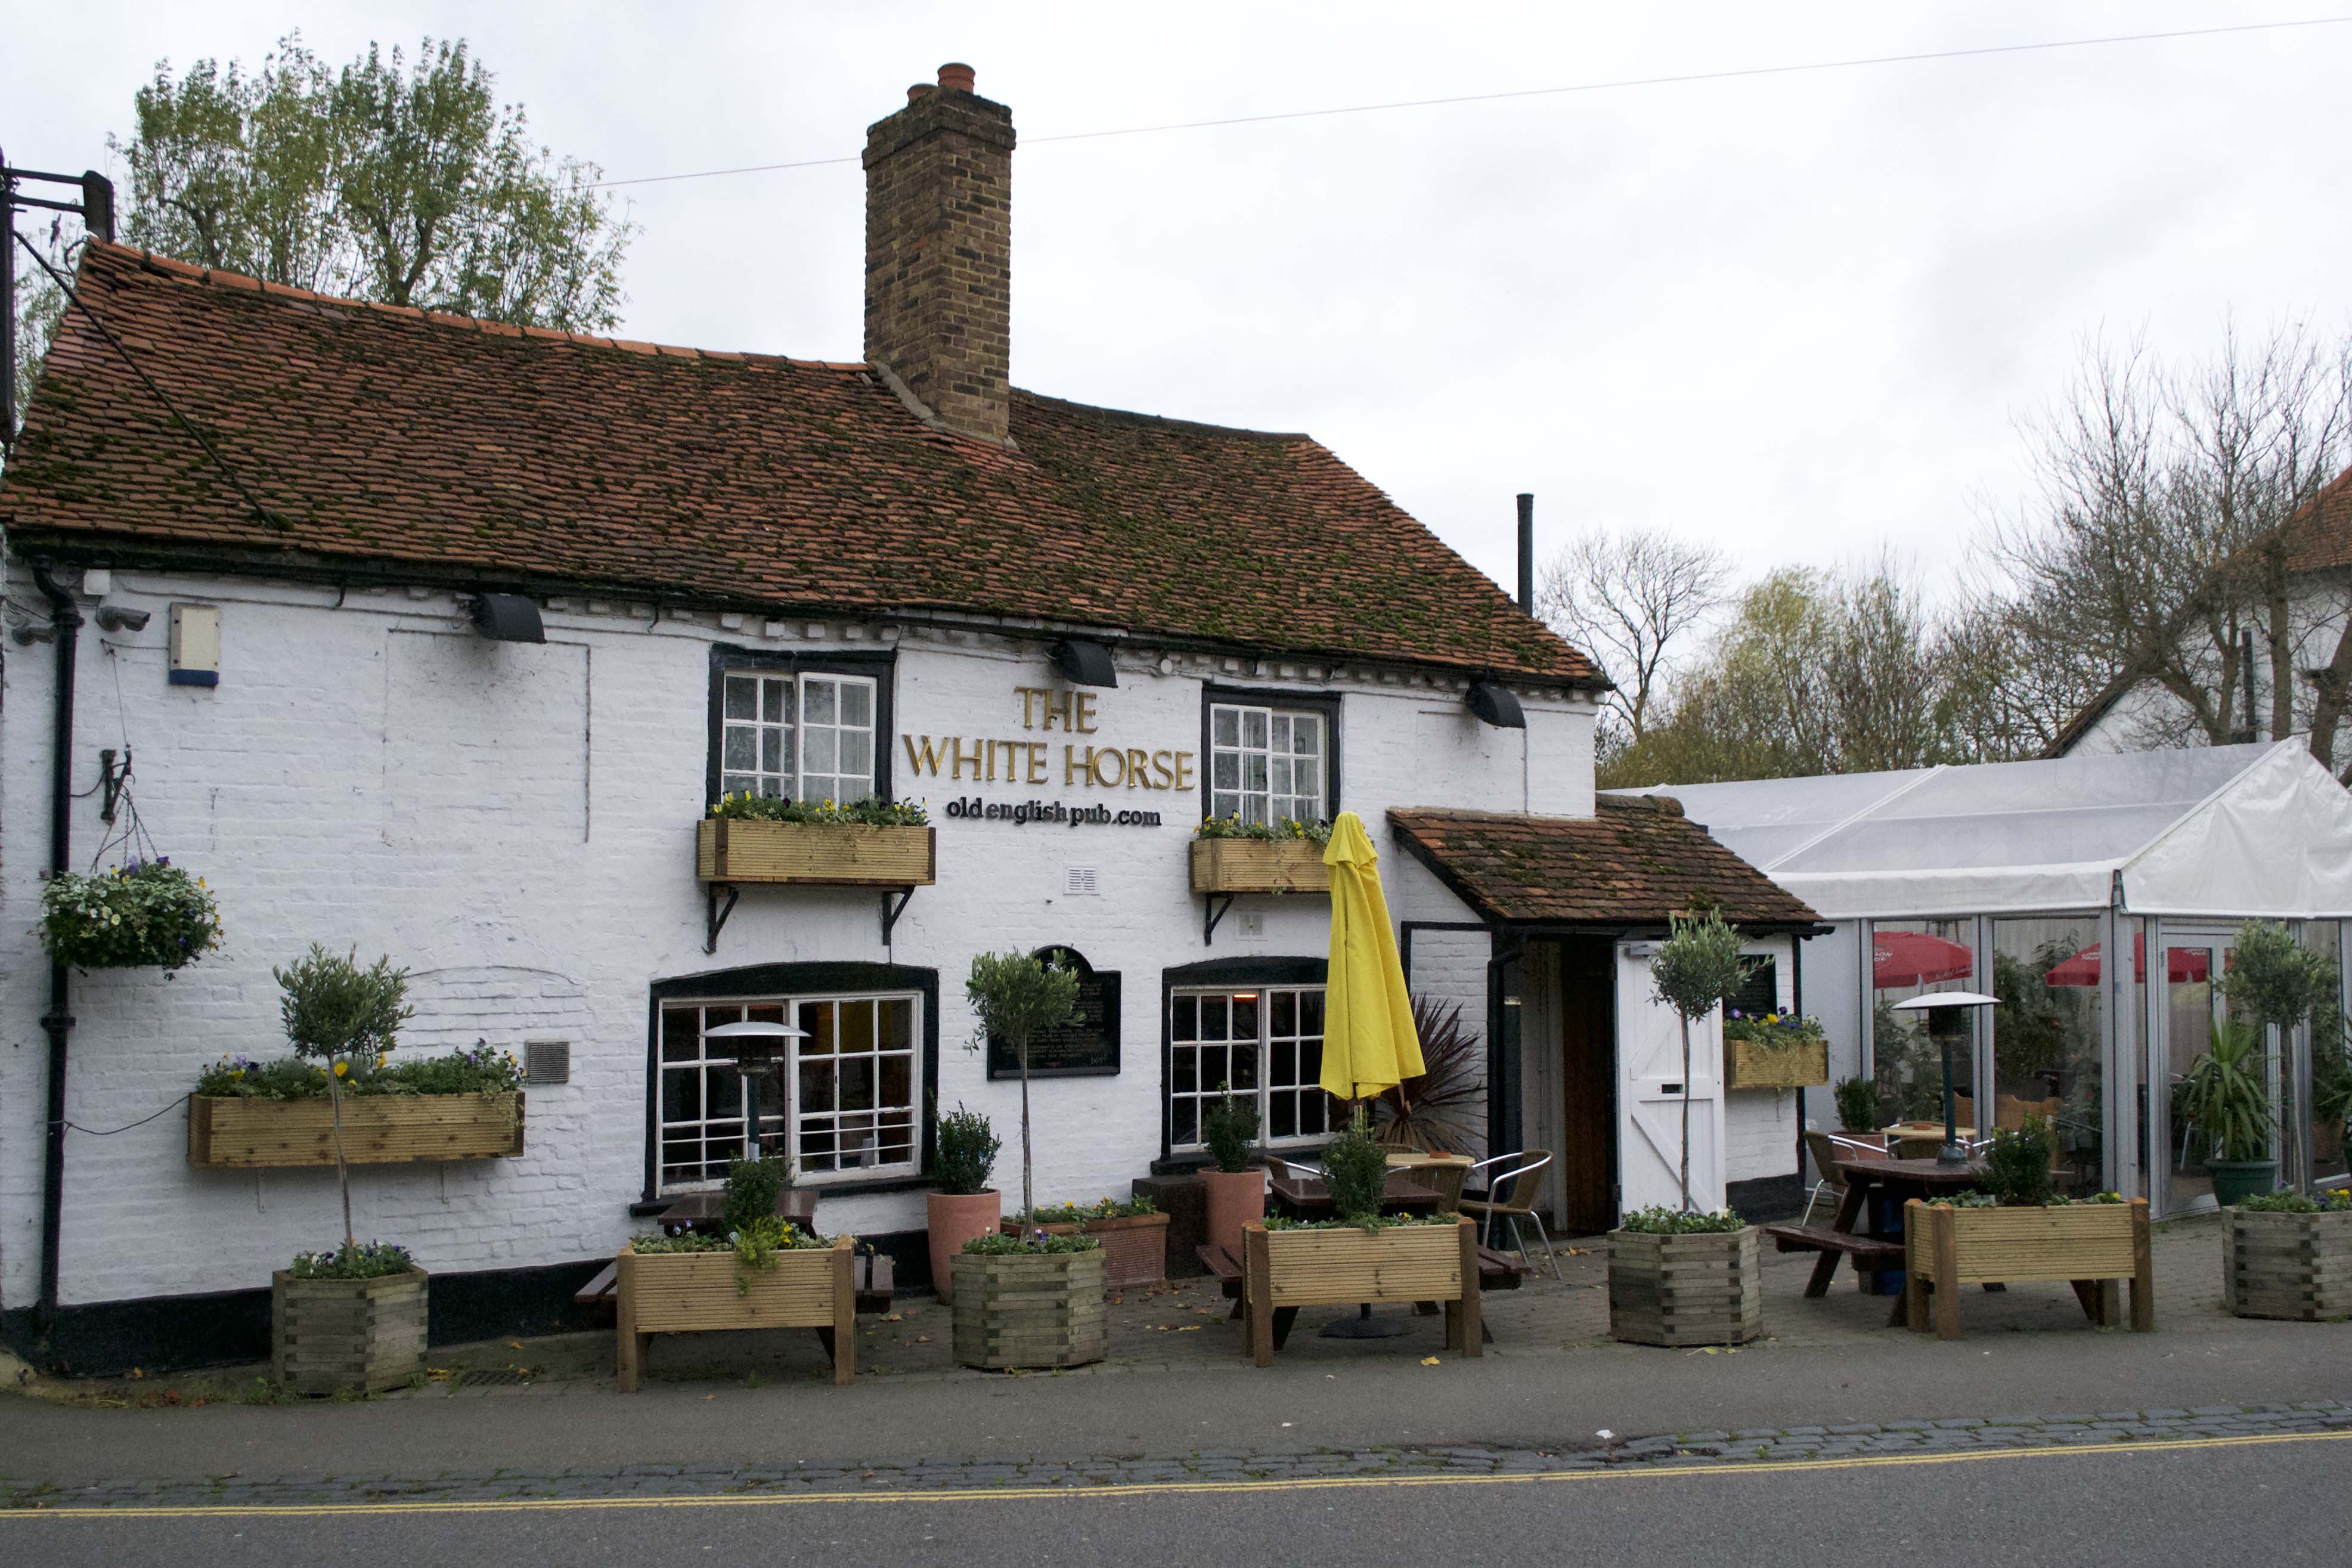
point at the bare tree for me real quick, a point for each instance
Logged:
(2162, 542)
(1629, 598)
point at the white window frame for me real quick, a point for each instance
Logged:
(1269, 1044)
(781, 733)
(1262, 761)
(787, 1117)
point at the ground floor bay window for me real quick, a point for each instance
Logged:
(844, 1100)
(1267, 1043)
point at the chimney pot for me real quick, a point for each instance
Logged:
(919, 91)
(957, 78)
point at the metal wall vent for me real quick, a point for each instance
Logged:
(1082, 881)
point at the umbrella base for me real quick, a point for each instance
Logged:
(1363, 1326)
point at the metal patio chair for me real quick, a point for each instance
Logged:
(1511, 1197)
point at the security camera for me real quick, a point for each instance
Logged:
(115, 618)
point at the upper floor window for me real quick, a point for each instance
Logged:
(1267, 763)
(806, 735)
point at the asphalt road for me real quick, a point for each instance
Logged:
(2271, 1500)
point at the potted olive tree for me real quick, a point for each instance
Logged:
(2275, 982)
(354, 1317)
(1679, 1277)
(1236, 1189)
(1033, 1300)
(961, 1204)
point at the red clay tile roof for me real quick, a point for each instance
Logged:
(2323, 538)
(1634, 864)
(456, 447)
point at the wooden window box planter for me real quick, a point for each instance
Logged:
(239, 1132)
(2092, 1246)
(1259, 866)
(2296, 1266)
(332, 1336)
(815, 853)
(1134, 1246)
(1746, 1064)
(1030, 1310)
(704, 1292)
(1284, 1270)
(1702, 1288)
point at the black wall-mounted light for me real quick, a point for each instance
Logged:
(507, 617)
(1084, 663)
(1497, 705)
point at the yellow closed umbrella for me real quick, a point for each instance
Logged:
(1369, 1043)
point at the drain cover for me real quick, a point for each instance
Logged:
(490, 1377)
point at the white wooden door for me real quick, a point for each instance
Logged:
(1650, 1083)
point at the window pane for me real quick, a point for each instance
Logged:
(1226, 771)
(1214, 1015)
(1185, 1123)
(857, 703)
(857, 1083)
(1185, 1070)
(1308, 737)
(1225, 725)
(897, 1080)
(820, 751)
(818, 701)
(776, 700)
(742, 697)
(742, 749)
(1245, 1019)
(899, 1025)
(818, 1020)
(1187, 1018)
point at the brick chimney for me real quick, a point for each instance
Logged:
(939, 252)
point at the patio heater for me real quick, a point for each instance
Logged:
(1941, 1007)
(756, 1044)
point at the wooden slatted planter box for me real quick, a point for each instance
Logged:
(1259, 866)
(1746, 1064)
(2296, 1266)
(1134, 1246)
(1287, 1269)
(1704, 1288)
(2085, 1245)
(819, 854)
(1030, 1310)
(328, 1336)
(239, 1132)
(703, 1292)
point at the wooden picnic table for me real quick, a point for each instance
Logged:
(1442, 1173)
(701, 1211)
(1309, 1197)
(1849, 1236)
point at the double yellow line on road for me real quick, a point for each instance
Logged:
(1728, 1469)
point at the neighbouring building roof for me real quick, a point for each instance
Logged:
(1635, 863)
(463, 450)
(2234, 832)
(2323, 541)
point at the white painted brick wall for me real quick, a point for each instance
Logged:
(515, 825)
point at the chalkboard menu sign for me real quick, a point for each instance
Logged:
(1089, 1048)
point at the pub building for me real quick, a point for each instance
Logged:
(444, 643)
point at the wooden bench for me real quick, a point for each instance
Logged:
(1496, 1271)
(1871, 1254)
(870, 1273)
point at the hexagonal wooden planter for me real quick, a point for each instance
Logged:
(702, 1292)
(238, 1131)
(327, 1336)
(1134, 1246)
(2295, 1266)
(1703, 1289)
(1030, 1310)
(1259, 866)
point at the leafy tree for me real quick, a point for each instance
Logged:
(1016, 994)
(346, 1019)
(391, 180)
(1696, 971)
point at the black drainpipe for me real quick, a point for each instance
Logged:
(56, 1021)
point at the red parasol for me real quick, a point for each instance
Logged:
(1901, 958)
(2182, 965)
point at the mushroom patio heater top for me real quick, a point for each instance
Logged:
(1947, 1001)
(756, 1043)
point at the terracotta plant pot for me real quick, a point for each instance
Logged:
(1134, 1246)
(1236, 1199)
(955, 1219)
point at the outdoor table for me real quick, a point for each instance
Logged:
(1927, 1137)
(701, 1211)
(1847, 1236)
(1306, 1197)
(1443, 1173)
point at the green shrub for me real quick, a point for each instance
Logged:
(477, 1070)
(2226, 1094)
(1356, 1169)
(999, 1245)
(1107, 1208)
(1371, 1222)
(2279, 1203)
(1660, 1221)
(2017, 1165)
(1288, 830)
(1229, 1126)
(751, 1189)
(1857, 1104)
(868, 813)
(968, 1148)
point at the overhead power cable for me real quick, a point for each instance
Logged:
(1620, 85)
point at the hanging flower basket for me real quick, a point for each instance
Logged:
(143, 914)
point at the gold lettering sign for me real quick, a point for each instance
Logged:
(992, 759)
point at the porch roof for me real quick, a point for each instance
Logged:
(1634, 862)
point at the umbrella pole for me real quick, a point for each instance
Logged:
(1363, 1325)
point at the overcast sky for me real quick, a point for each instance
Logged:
(1798, 315)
